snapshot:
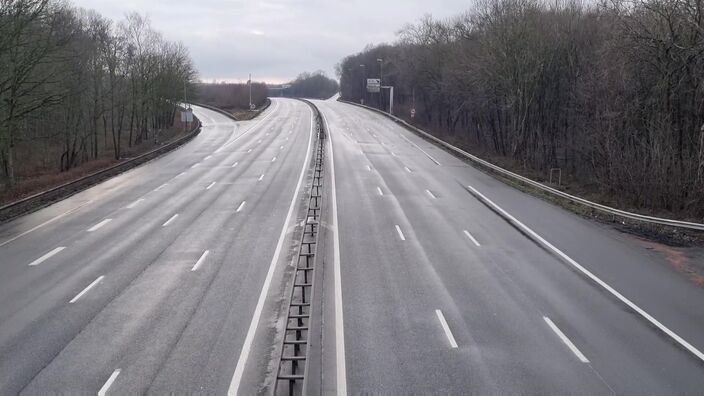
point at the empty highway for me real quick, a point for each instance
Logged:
(439, 293)
(151, 281)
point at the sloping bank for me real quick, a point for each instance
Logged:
(42, 199)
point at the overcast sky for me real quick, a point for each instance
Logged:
(275, 39)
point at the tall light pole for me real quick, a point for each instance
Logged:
(381, 82)
(250, 90)
(363, 94)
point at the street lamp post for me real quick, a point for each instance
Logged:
(250, 90)
(363, 94)
(381, 82)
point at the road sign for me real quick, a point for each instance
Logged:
(187, 115)
(373, 84)
(252, 106)
(413, 113)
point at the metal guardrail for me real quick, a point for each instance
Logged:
(506, 173)
(47, 197)
(293, 361)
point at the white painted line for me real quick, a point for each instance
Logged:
(47, 256)
(239, 208)
(194, 165)
(207, 158)
(566, 340)
(418, 147)
(273, 159)
(200, 260)
(249, 338)
(14, 238)
(180, 174)
(446, 328)
(171, 219)
(135, 203)
(430, 194)
(341, 373)
(696, 352)
(249, 151)
(95, 282)
(369, 168)
(259, 141)
(261, 177)
(234, 165)
(281, 148)
(407, 169)
(378, 189)
(161, 186)
(471, 238)
(394, 154)
(104, 390)
(210, 185)
(97, 226)
(400, 233)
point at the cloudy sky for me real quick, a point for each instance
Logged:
(275, 39)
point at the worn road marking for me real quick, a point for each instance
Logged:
(210, 185)
(239, 208)
(194, 165)
(79, 295)
(180, 174)
(566, 340)
(378, 189)
(234, 165)
(446, 328)
(200, 260)
(207, 158)
(170, 220)
(161, 186)
(104, 390)
(273, 159)
(97, 226)
(135, 203)
(471, 238)
(418, 147)
(400, 233)
(408, 169)
(47, 256)
(430, 194)
(261, 177)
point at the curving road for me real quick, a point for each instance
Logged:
(441, 294)
(151, 281)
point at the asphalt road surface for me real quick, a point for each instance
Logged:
(150, 282)
(172, 277)
(441, 294)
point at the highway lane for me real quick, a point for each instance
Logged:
(424, 266)
(149, 283)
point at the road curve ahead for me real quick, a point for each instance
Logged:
(149, 281)
(440, 293)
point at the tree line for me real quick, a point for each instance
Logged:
(609, 92)
(231, 96)
(75, 86)
(314, 85)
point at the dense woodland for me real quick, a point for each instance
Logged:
(76, 87)
(611, 93)
(231, 96)
(314, 85)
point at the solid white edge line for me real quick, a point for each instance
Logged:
(566, 340)
(419, 148)
(44, 223)
(689, 347)
(104, 390)
(79, 295)
(341, 373)
(172, 218)
(200, 260)
(97, 226)
(430, 194)
(135, 203)
(239, 208)
(47, 256)
(400, 233)
(210, 185)
(249, 338)
(471, 238)
(378, 189)
(446, 328)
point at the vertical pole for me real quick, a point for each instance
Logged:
(250, 90)
(391, 100)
